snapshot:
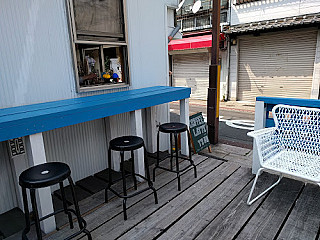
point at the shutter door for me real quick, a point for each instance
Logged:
(277, 65)
(192, 70)
(8, 199)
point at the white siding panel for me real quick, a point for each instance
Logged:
(277, 65)
(192, 70)
(8, 199)
(35, 63)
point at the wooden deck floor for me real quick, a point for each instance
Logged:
(211, 206)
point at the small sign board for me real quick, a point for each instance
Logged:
(198, 131)
(16, 146)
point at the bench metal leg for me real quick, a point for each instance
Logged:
(249, 202)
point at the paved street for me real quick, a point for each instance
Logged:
(236, 119)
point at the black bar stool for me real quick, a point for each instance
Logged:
(45, 175)
(174, 129)
(122, 144)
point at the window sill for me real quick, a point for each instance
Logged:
(102, 87)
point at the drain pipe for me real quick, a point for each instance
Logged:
(173, 33)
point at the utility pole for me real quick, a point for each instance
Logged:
(212, 101)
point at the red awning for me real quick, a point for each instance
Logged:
(191, 43)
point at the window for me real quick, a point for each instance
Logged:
(99, 43)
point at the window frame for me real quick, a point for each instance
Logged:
(99, 44)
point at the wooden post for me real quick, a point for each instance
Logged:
(36, 156)
(136, 129)
(259, 123)
(184, 118)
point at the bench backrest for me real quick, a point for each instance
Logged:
(298, 128)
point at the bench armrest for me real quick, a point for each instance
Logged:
(267, 141)
(261, 132)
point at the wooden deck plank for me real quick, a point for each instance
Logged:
(304, 220)
(106, 212)
(137, 213)
(176, 208)
(269, 217)
(229, 222)
(97, 199)
(191, 224)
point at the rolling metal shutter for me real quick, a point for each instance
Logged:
(276, 65)
(192, 70)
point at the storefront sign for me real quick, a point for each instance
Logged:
(199, 134)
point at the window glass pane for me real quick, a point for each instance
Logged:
(99, 18)
(223, 17)
(206, 4)
(115, 65)
(187, 24)
(224, 4)
(101, 65)
(203, 22)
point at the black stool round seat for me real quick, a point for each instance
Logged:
(173, 127)
(44, 175)
(126, 143)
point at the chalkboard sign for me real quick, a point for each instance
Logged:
(198, 131)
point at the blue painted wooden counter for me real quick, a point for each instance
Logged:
(36, 118)
(270, 102)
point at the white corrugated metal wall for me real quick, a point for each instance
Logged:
(36, 63)
(36, 66)
(277, 64)
(8, 199)
(82, 146)
(192, 70)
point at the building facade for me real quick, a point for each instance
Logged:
(191, 56)
(50, 52)
(274, 49)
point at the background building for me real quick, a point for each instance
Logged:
(270, 48)
(274, 49)
(190, 57)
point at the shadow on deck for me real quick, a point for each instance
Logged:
(212, 206)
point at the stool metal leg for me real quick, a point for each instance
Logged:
(171, 152)
(146, 166)
(124, 186)
(124, 206)
(158, 157)
(177, 160)
(190, 155)
(36, 214)
(75, 202)
(81, 221)
(109, 175)
(133, 171)
(65, 207)
(26, 214)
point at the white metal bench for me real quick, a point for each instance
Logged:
(291, 147)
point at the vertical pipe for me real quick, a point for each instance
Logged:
(213, 121)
